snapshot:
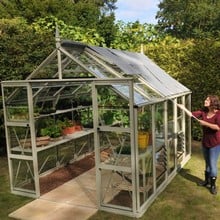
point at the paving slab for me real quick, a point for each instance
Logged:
(75, 199)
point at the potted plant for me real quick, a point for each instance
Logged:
(70, 126)
(53, 131)
(51, 128)
(144, 126)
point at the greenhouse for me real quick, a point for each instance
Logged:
(118, 105)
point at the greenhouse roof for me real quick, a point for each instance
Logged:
(74, 60)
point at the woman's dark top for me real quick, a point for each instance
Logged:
(211, 138)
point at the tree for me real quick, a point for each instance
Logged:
(131, 35)
(21, 48)
(85, 35)
(87, 14)
(189, 18)
(34, 9)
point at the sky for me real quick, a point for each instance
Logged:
(132, 10)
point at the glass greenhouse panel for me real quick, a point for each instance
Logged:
(47, 160)
(138, 97)
(54, 98)
(148, 92)
(16, 103)
(116, 189)
(96, 67)
(171, 141)
(145, 153)
(20, 140)
(113, 68)
(49, 70)
(145, 163)
(138, 64)
(180, 133)
(72, 69)
(115, 148)
(23, 175)
(160, 144)
(188, 126)
(113, 108)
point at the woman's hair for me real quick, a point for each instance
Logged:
(214, 101)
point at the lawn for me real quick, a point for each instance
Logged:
(8, 201)
(181, 200)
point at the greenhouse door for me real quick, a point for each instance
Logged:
(114, 145)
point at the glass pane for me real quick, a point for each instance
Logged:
(145, 153)
(161, 156)
(20, 140)
(180, 133)
(188, 123)
(49, 70)
(113, 108)
(23, 175)
(16, 104)
(171, 143)
(145, 174)
(115, 148)
(116, 188)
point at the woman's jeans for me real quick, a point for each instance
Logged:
(211, 159)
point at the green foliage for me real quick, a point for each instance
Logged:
(86, 35)
(88, 18)
(107, 29)
(51, 128)
(196, 131)
(66, 10)
(201, 70)
(130, 36)
(189, 19)
(144, 121)
(170, 54)
(21, 48)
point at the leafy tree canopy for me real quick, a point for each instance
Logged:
(74, 12)
(21, 48)
(96, 14)
(85, 35)
(130, 36)
(189, 18)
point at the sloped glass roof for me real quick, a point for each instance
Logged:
(141, 66)
(76, 60)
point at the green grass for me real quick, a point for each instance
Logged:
(8, 201)
(181, 200)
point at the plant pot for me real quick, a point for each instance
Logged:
(143, 139)
(71, 130)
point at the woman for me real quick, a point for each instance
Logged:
(209, 119)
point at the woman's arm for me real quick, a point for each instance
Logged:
(210, 125)
(189, 113)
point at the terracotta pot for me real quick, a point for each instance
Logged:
(71, 130)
